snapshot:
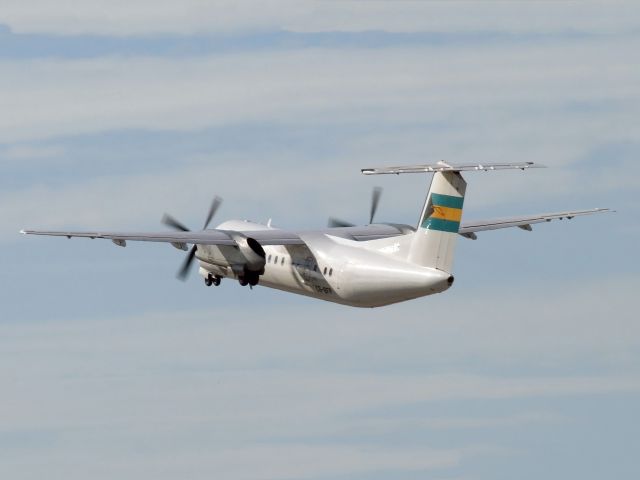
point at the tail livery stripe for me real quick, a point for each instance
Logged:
(447, 200)
(446, 213)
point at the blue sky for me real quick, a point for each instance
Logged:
(110, 116)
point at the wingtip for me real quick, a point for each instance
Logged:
(23, 231)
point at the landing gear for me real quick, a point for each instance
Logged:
(211, 280)
(249, 278)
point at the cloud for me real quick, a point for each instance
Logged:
(265, 389)
(289, 391)
(286, 391)
(474, 88)
(213, 362)
(380, 425)
(24, 152)
(138, 201)
(193, 16)
(500, 103)
(288, 461)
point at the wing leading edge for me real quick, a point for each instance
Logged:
(284, 237)
(205, 237)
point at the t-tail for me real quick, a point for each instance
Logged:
(433, 243)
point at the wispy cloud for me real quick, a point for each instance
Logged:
(24, 152)
(383, 424)
(285, 461)
(504, 102)
(313, 85)
(193, 16)
(297, 392)
(278, 121)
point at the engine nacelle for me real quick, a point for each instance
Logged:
(252, 252)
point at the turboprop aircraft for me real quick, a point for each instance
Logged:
(363, 266)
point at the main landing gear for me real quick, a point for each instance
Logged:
(211, 280)
(249, 278)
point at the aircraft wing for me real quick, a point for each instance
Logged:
(468, 229)
(180, 239)
(284, 237)
(273, 236)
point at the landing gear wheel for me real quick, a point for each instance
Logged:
(208, 281)
(216, 280)
(253, 279)
(243, 281)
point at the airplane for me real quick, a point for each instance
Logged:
(362, 266)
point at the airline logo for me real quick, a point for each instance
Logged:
(445, 213)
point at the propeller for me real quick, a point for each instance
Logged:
(173, 223)
(337, 223)
(375, 201)
(183, 273)
(215, 204)
(176, 225)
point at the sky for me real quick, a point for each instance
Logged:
(112, 113)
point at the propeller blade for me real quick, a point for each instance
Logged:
(184, 270)
(217, 201)
(173, 223)
(375, 200)
(337, 223)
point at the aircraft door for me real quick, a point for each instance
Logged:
(306, 268)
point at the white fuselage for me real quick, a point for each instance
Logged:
(328, 268)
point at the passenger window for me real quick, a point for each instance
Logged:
(269, 260)
(330, 271)
(325, 270)
(282, 261)
(276, 260)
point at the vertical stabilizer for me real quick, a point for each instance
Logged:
(434, 241)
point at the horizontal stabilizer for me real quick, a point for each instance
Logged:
(450, 167)
(469, 229)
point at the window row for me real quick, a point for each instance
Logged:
(276, 258)
(275, 261)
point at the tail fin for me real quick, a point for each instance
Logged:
(434, 241)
